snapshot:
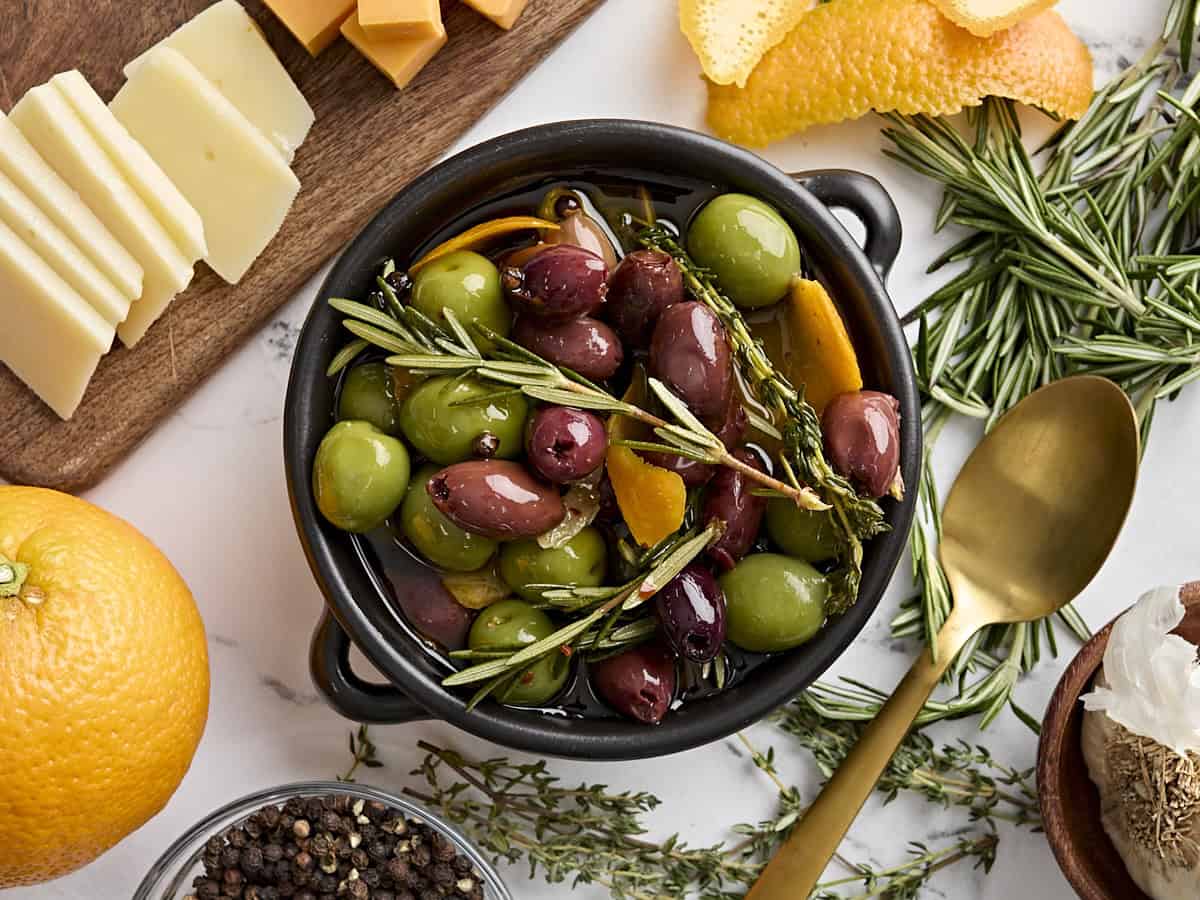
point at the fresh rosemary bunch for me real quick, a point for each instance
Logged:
(1090, 266)
(803, 457)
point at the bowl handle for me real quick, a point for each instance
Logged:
(868, 201)
(349, 695)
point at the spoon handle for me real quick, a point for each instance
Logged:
(797, 866)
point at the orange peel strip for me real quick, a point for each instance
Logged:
(731, 36)
(474, 238)
(986, 17)
(853, 56)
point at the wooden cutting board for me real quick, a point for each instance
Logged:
(369, 140)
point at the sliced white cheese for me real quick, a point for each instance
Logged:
(51, 337)
(228, 48)
(227, 170)
(54, 197)
(160, 195)
(51, 125)
(47, 240)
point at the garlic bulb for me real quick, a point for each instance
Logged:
(1141, 732)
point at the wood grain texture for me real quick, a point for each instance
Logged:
(368, 142)
(1069, 800)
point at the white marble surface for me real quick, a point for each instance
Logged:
(208, 487)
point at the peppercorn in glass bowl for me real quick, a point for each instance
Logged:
(269, 837)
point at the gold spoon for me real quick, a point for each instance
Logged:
(1030, 520)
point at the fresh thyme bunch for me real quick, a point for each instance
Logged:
(1088, 267)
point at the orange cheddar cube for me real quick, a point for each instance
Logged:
(314, 23)
(400, 60)
(503, 12)
(389, 20)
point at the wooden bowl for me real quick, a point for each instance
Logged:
(1069, 800)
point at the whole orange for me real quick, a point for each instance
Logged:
(103, 682)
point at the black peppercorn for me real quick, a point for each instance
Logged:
(252, 859)
(230, 857)
(304, 861)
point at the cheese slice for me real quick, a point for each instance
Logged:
(228, 48)
(50, 124)
(222, 164)
(503, 12)
(160, 195)
(55, 198)
(387, 20)
(314, 23)
(47, 240)
(399, 60)
(51, 337)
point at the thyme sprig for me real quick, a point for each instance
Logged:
(803, 457)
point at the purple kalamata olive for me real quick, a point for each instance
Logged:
(579, 229)
(639, 683)
(731, 427)
(691, 611)
(730, 498)
(643, 285)
(690, 354)
(496, 499)
(584, 345)
(565, 444)
(432, 610)
(562, 282)
(862, 436)
(693, 472)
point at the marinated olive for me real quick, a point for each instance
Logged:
(468, 285)
(496, 499)
(639, 683)
(584, 345)
(431, 609)
(434, 536)
(443, 417)
(565, 444)
(690, 354)
(369, 395)
(862, 435)
(693, 472)
(579, 563)
(748, 246)
(691, 612)
(359, 476)
(579, 229)
(731, 427)
(808, 534)
(643, 285)
(511, 625)
(560, 283)
(730, 499)
(773, 602)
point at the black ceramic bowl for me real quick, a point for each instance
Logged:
(358, 608)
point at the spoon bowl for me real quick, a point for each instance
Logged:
(1037, 507)
(1034, 513)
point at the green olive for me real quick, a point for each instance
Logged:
(580, 563)
(468, 285)
(513, 624)
(748, 246)
(369, 395)
(434, 536)
(773, 602)
(359, 476)
(442, 423)
(807, 534)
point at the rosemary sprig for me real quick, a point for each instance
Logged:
(1089, 266)
(803, 458)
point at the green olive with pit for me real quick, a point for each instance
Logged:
(369, 395)
(773, 602)
(748, 246)
(444, 419)
(434, 536)
(580, 562)
(467, 284)
(512, 625)
(360, 476)
(807, 534)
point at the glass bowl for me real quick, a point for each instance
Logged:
(171, 877)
